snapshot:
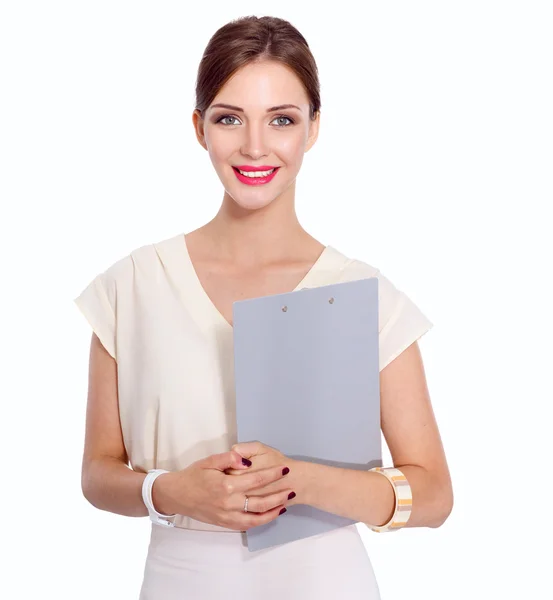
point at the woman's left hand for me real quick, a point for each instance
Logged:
(263, 457)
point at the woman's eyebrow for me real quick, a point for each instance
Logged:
(272, 109)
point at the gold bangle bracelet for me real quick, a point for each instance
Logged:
(403, 499)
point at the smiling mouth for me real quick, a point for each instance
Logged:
(255, 177)
(256, 174)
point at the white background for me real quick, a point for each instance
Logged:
(434, 164)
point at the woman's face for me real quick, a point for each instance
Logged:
(258, 130)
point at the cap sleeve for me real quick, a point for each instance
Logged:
(402, 322)
(96, 303)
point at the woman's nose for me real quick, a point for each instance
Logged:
(255, 143)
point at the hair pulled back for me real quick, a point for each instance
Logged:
(253, 39)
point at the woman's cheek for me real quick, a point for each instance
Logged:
(291, 149)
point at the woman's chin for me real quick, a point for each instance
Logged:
(251, 202)
(254, 205)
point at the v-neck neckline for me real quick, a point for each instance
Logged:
(207, 306)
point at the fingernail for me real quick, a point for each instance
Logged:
(291, 495)
(246, 462)
(285, 471)
(282, 511)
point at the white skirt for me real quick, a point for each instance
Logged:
(188, 564)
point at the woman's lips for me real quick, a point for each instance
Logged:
(254, 180)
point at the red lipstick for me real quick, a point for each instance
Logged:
(254, 180)
(254, 168)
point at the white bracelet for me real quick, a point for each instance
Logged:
(155, 517)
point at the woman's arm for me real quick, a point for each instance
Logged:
(107, 482)
(414, 441)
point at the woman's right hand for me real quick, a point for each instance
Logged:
(206, 493)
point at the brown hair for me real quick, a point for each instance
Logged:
(252, 39)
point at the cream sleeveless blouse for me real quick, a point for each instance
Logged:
(174, 350)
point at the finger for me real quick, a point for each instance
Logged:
(248, 449)
(226, 460)
(258, 479)
(262, 504)
(249, 520)
(235, 471)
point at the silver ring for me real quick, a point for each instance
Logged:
(246, 505)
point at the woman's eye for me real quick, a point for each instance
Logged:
(281, 124)
(224, 118)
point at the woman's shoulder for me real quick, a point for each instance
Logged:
(401, 321)
(140, 261)
(356, 268)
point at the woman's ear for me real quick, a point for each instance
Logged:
(313, 131)
(198, 123)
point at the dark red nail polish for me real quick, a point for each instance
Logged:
(282, 511)
(285, 471)
(291, 495)
(246, 462)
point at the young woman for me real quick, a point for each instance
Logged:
(161, 364)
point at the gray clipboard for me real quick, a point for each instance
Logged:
(307, 382)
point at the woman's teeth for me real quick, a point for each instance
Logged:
(255, 173)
